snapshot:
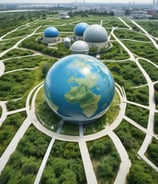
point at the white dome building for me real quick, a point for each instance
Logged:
(79, 47)
(67, 42)
(96, 36)
(51, 35)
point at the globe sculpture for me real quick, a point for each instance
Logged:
(79, 88)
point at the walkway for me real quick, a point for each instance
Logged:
(146, 33)
(13, 144)
(125, 162)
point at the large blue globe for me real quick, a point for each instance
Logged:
(79, 88)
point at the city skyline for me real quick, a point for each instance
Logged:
(70, 1)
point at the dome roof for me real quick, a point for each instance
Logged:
(80, 46)
(80, 28)
(51, 32)
(95, 34)
(67, 39)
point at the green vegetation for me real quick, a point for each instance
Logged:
(130, 34)
(16, 104)
(21, 32)
(27, 62)
(9, 21)
(70, 129)
(150, 69)
(9, 129)
(153, 152)
(156, 94)
(138, 114)
(17, 84)
(115, 53)
(155, 123)
(58, 51)
(146, 50)
(25, 161)
(126, 74)
(0, 111)
(45, 114)
(64, 165)
(138, 95)
(130, 136)
(105, 159)
(6, 44)
(129, 77)
(150, 26)
(133, 26)
(17, 53)
(141, 173)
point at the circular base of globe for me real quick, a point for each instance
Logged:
(79, 121)
(51, 121)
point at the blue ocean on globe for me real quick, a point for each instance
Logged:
(79, 88)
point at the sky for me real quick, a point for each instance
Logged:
(69, 1)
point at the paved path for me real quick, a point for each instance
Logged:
(146, 33)
(13, 144)
(90, 175)
(16, 111)
(19, 42)
(21, 69)
(129, 27)
(135, 124)
(2, 68)
(150, 126)
(132, 58)
(137, 104)
(4, 112)
(125, 162)
(46, 156)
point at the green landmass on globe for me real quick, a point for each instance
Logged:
(83, 93)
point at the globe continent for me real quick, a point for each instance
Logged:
(79, 88)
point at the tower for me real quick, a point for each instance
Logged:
(155, 5)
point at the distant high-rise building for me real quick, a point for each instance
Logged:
(155, 4)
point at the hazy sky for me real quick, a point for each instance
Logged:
(68, 1)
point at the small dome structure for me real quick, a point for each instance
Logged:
(79, 47)
(67, 42)
(79, 30)
(96, 36)
(51, 34)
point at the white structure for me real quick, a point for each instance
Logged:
(67, 42)
(96, 36)
(64, 16)
(155, 4)
(140, 14)
(51, 35)
(79, 47)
